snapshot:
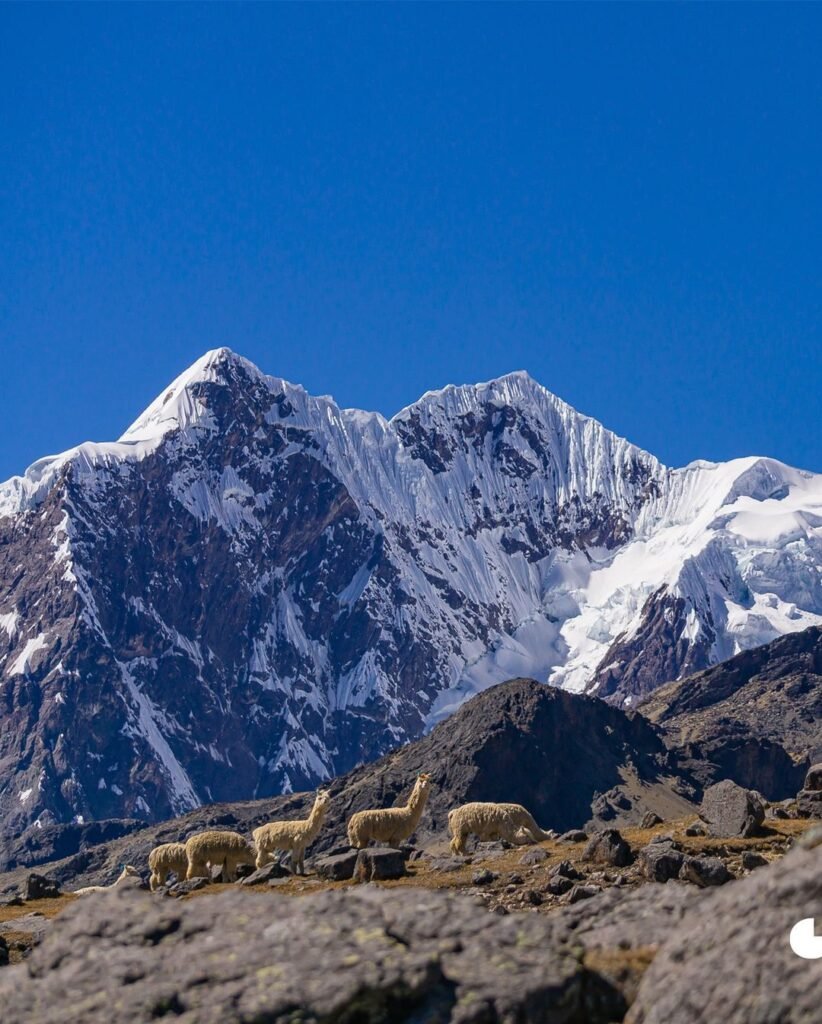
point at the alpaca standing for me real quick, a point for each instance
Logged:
(393, 824)
(489, 821)
(163, 860)
(229, 849)
(127, 872)
(291, 835)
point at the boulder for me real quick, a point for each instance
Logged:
(608, 847)
(650, 819)
(751, 860)
(265, 874)
(809, 803)
(447, 864)
(559, 885)
(565, 869)
(337, 868)
(582, 892)
(659, 862)
(574, 835)
(187, 885)
(536, 855)
(813, 778)
(731, 811)
(390, 956)
(732, 960)
(704, 871)
(484, 877)
(377, 863)
(38, 887)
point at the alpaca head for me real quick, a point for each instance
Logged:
(129, 872)
(423, 784)
(322, 799)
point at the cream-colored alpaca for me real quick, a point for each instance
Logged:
(493, 821)
(392, 824)
(291, 835)
(163, 860)
(127, 872)
(229, 849)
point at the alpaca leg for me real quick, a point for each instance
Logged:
(197, 868)
(297, 855)
(154, 882)
(263, 857)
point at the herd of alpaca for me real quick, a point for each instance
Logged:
(226, 851)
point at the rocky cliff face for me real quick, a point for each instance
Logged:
(745, 714)
(254, 589)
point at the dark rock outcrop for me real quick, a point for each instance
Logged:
(660, 862)
(376, 863)
(757, 718)
(704, 871)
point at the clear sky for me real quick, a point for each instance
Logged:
(375, 200)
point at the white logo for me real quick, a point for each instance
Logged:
(803, 941)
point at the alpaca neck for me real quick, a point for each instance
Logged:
(315, 820)
(416, 804)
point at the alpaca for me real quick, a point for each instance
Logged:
(393, 824)
(490, 821)
(291, 835)
(229, 849)
(163, 860)
(127, 872)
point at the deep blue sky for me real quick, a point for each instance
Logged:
(377, 200)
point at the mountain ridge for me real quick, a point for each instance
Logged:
(253, 589)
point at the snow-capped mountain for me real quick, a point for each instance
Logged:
(254, 589)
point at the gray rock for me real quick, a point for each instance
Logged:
(659, 862)
(582, 892)
(731, 811)
(389, 956)
(574, 835)
(650, 819)
(187, 885)
(484, 877)
(809, 803)
(696, 830)
(265, 874)
(704, 871)
(215, 873)
(813, 778)
(730, 960)
(751, 860)
(534, 856)
(38, 887)
(608, 847)
(565, 869)
(4, 952)
(379, 862)
(559, 885)
(338, 868)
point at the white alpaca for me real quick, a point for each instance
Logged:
(490, 821)
(228, 849)
(392, 824)
(291, 835)
(127, 872)
(163, 860)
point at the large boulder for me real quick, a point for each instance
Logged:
(809, 803)
(39, 887)
(731, 960)
(731, 811)
(337, 868)
(659, 862)
(608, 847)
(704, 871)
(813, 779)
(377, 863)
(363, 954)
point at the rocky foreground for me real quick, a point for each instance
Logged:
(652, 953)
(665, 924)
